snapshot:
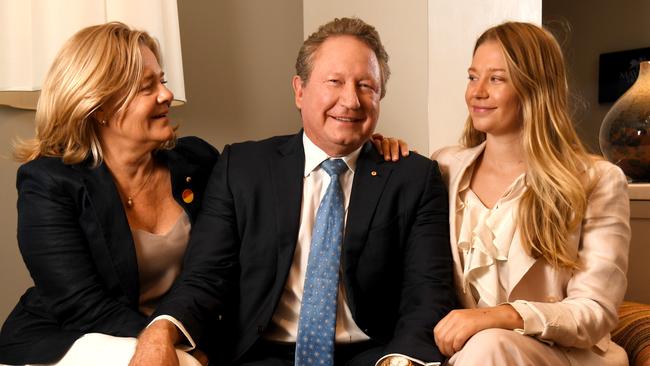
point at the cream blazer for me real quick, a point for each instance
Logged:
(568, 308)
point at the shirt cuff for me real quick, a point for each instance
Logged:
(533, 319)
(185, 345)
(414, 360)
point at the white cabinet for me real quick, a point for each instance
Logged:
(638, 273)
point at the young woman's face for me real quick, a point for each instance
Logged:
(491, 98)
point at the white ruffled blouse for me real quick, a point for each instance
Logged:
(484, 240)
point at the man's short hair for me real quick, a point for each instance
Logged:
(340, 27)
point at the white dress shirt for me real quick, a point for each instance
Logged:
(284, 325)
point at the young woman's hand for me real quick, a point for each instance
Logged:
(458, 326)
(391, 148)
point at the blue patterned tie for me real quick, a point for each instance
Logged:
(317, 324)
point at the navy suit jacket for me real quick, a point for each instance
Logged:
(396, 261)
(75, 239)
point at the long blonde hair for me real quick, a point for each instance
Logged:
(99, 67)
(556, 199)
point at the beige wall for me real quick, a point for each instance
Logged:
(14, 278)
(596, 26)
(238, 58)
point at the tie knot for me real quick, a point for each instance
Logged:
(334, 166)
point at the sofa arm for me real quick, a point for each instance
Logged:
(633, 332)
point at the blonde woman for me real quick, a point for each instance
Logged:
(106, 199)
(539, 229)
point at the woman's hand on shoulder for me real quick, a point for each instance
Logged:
(391, 148)
(459, 325)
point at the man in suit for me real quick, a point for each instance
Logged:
(323, 251)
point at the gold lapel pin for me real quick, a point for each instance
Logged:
(373, 173)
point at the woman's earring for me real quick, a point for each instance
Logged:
(102, 122)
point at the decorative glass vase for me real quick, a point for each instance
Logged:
(625, 132)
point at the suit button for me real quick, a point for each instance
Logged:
(260, 329)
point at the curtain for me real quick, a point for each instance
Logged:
(32, 32)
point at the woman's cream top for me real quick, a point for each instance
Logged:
(485, 238)
(160, 260)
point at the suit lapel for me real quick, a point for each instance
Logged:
(519, 262)
(465, 158)
(180, 169)
(370, 178)
(287, 181)
(112, 230)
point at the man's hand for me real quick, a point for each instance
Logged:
(156, 345)
(458, 326)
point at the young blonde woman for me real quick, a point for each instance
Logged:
(539, 228)
(106, 199)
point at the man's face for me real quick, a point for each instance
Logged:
(339, 103)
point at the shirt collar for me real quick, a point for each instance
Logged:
(513, 191)
(314, 156)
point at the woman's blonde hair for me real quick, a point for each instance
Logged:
(556, 198)
(99, 67)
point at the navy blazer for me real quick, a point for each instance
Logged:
(75, 239)
(396, 261)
